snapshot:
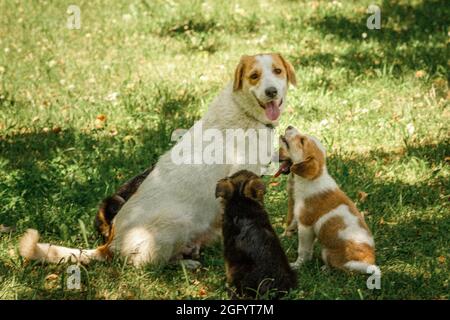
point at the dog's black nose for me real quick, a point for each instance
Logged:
(290, 127)
(271, 92)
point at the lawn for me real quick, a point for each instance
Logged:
(81, 111)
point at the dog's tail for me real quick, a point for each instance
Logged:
(112, 205)
(362, 267)
(31, 249)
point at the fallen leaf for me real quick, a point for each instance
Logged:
(45, 129)
(447, 159)
(101, 117)
(51, 277)
(56, 129)
(441, 259)
(362, 196)
(420, 74)
(274, 184)
(202, 292)
(381, 221)
(5, 229)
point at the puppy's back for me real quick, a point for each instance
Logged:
(255, 260)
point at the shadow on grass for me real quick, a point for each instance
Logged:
(52, 179)
(412, 37)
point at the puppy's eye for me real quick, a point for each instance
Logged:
(302, 141)
(277, 70)
(254, 76)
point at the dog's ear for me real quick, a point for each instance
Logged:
(308, 169)
(239, 74)
(289, 70)
(224, 189)
(255, 189)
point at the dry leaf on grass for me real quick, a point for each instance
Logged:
(56, 129)
(202, 292)
(5, 229)
(362, 196)
(420, 74)
(51, 277)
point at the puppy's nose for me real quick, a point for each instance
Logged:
(289, 127)
(271, 92)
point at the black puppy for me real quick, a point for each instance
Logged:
(254, 259)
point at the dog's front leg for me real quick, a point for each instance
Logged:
(305, 245)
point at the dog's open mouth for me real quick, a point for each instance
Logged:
(285, 168)
(272, 108)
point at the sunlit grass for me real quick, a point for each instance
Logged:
(377, 99)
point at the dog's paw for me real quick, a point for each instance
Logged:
(324, 268)
(287, 233)
(296, 265)
(191, 264)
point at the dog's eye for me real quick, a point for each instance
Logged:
(302, 141)
(254, 76)
(277, 70)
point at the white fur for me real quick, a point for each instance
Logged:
(305, 188)
(29, 248)
(362, 267)
(269, 80)
(352, 231)
(176, 204)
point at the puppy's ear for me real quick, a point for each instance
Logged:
(224, 189)
(308, 169)
(289, 70)
(239, 74)
(255, 189)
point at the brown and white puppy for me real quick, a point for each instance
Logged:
(175, 208)
(254, 259)
(320, 209)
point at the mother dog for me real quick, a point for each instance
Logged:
(174, 208)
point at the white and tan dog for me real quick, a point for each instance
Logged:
(175, 207)
(319, 209)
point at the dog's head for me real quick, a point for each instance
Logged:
(243, 183)
(264, 78)
(301, 154)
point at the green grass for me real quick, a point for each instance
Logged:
(377, 98)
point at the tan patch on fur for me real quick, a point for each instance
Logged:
(312, 167)
(248, 66)
(104, 250)
(288, 70)
(350, 251)
(322, 203)
(291, 202)
(243, 70)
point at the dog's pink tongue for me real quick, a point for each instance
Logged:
(272, 110)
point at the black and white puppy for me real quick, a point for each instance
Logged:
(254, 259)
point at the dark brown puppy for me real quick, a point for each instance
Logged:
(254, 259)
(112, 204)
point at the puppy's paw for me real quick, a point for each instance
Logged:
(191, 264)
(287, 233)
(296, 265)
(325, 268)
